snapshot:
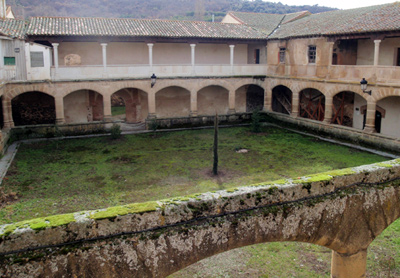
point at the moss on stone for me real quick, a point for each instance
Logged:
(40, 223)
(386, 165)
(112, 212)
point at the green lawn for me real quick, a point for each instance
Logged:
(117, 110)
(81, 174)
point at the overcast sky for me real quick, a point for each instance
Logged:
(340, 4)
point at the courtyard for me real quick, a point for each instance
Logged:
(54, 177)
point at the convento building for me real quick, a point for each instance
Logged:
(303, 67)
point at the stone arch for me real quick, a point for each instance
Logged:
(83, 106)
(249, 97)
(282, 98)
(98, 88)
(210, 83)
(211, 99)
(346, 109)
(9, 95)
(173, 101)
(33, 108)
(134, 102)
(387, 118)
(312, 104)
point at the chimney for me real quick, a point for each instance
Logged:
(3, 9)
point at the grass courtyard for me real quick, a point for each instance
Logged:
(53, 177)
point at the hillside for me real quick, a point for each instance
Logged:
(163, 9)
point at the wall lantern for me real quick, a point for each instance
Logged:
(364, 85)
(153, 80)
(17, 50)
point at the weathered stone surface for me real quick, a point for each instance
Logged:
(343, 210)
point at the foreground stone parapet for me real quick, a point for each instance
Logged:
(343, 210)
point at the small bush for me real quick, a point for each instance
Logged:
(255, 121)
(153, 125)
(115, 131)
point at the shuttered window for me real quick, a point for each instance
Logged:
(9, 61)
(37, 59)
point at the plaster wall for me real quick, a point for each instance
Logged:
(273, 53)
(391, 122)
(220, 54)
(358, 118)
(173, 102)
(76, 107)
(37, 73)
(230, 19)
(123, 53)
(251, 53)
(171, 53)
(297, 51)
(387, 52)
(213, 99)
(90, 52)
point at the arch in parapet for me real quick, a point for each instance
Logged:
(282, 98)
(213, 99)
(214, 82)
(129, 105)
(249, 97)
(83, 106)
(173, 101)
(312, 104)
(33, 108)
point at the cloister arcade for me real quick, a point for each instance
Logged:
(85, 102)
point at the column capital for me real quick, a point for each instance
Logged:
(55, 44)
(104, 44)
(231, 45)
(377, 41)
(150, 44)
(192, 45)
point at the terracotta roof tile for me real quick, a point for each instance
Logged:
(266, 23)
(60, 26)
(379, 18)
(12, 28)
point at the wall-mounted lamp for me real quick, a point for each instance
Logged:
(153, 80)
(364, 85)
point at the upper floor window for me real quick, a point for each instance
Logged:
(9, 61)
(282, 51)
(37, 59)
(312, 54)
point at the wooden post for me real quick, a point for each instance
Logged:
(215, 165)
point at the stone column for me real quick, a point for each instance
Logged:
(7, 114)
(268, 99)
(232, 102)
(328, 109)
(376, 53)
(104, 50)
(370, 118)
(232, 52)
(59, 101)
(344, 265)
(152, 104)
(107, 108)
(150, 46)
(55, 49)
(192, 48)
(295, 104)
(330, 45)
(193, 103)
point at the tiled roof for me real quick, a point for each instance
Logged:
(60, 26)
(295, 16)
(266, 23)
(12, 28)
(379, 18)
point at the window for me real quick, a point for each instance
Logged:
(282, 51)
(9, 61)
(37, 59)
(312, 54)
